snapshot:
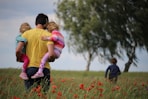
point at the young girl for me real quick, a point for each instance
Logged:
(23, 58)
(59, 44)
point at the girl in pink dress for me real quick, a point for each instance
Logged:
(59, 44)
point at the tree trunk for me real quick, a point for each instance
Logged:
(89, 61)
(88, 65)
(131, 56)
(127, 66)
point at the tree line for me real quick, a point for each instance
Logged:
(105, 28)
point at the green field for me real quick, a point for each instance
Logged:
(76, 85)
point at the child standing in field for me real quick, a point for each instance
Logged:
(23, 57)
(59, 44)
(113, 70)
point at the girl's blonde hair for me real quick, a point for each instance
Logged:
(52, 26)
(24, 27)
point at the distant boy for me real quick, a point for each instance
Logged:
(113, 71)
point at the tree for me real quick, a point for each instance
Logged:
(105, 26)
(79, 23)
(125, 18)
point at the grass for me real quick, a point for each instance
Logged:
(76, 85)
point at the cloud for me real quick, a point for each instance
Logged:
(17, 8)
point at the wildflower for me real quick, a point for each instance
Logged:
(54, 86)
(33, 90)
(85, 96)
(143, 84)
(53, 91)
(59, 93)
(100, 89)
(81, 86)
(135, 83)
(75, 96)
(92, 85)
(115, 88)
(92, 97)
(88, 89)
(14, 97)
(40, 94)
(100, 83)
(58, 97)
(38, 89)
(63, 80)
(100, 94)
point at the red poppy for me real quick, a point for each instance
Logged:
(143, 84)
(88, 89)
(53, 91)
(63, 80)
(14, 97)
(38, 89)
(81, 86)
(54, 87)
(117, 87)
(100, 83)
(100, 89)
(100, 94)
(75, 96)
(92, 85)
(59, 93)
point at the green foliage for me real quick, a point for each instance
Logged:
(105, 27)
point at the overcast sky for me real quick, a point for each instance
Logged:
(15, 12)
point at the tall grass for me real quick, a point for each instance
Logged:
(76, 85)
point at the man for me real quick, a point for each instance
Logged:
(35, 50)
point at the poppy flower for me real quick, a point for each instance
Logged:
(15, 97)
(54, 87)
(59, 93)
(100, 89)
(100, 83)
(81, 86)
(75, 96)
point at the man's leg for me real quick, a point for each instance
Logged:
(44, 81)
(30, 71)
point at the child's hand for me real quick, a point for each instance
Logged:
(18, 56)
(44, 38)
(51, 59)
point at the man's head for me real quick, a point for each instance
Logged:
(42, 19)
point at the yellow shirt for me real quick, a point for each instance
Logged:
(36, 48)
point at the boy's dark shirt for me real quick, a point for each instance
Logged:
(114, 71)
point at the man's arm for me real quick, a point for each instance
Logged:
(19, 50)
(51, 52)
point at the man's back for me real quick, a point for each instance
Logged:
(36, 48)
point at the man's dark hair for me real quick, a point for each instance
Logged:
(41, 19)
